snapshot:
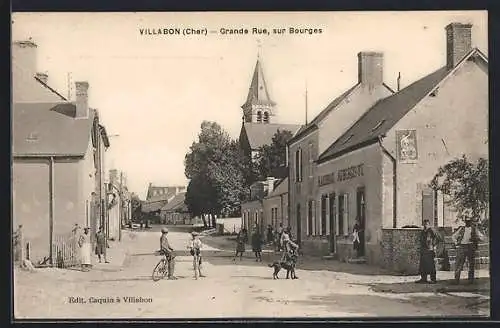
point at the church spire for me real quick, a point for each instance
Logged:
(258, 93)
(258, 107)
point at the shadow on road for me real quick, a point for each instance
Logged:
(379, 306)
(481, 286)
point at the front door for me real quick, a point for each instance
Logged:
(299, 226)
(361, 205)
(331, 213)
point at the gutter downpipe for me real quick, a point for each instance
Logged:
(51, 209)
(394, 182)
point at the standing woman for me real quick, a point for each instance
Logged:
(257, 245)
(85, 249)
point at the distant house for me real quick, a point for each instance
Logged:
(58, 158)
(176, 211)
(275, 205)
(157, 197)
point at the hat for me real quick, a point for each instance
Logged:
(164, 230)
(194, 233)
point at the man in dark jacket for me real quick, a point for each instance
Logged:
(466, 239)
(428, 241)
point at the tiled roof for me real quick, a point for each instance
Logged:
(324, 113)
(260, 134)
(280, 188)
(176, 203)
(153, 206)
(49, 129)
(382, 116)
(162, 192)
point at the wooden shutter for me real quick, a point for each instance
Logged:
(346, 214)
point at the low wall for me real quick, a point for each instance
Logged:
(228, 225)
(401, 250)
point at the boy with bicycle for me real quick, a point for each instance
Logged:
(194, 246)
(168, 252)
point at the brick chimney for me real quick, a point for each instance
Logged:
(24, 55)
(44, 77)
(458, 43)
(370, 68)
(82, 99)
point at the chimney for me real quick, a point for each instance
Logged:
(458, 43)
(370, 68)
(24, 58)
(42, 77)
(82, 99)
(270, 185)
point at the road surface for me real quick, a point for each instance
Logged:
(240, 289)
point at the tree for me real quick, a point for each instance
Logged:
(272, 157)
(214, 166)
(467, 185)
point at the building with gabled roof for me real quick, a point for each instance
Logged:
(176, 210)
(315, 137)
(379, 170)
(58, 151)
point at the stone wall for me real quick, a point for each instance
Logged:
(401, 250)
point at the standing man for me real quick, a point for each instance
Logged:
(466, 239)
(101, 244)
(428, 240)
(168, 251)
(257, 245)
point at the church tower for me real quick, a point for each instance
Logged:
(258, 108)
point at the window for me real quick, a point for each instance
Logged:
(311, 160)
(266, 117)
(310, 225)
(332, 214)
(259, 116)
(343, 217)
(322, 230)
(298, 165)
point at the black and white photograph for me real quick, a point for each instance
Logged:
(250, 165)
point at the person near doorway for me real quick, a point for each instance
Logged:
(355, 239)
(168, 252)
(279, 232)
(101, 244)
(466, 239)
(85, 249)
(257, 245)
(269, 234)
(428, 241)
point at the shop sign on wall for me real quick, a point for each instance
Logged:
(342, 175)
(407, 145)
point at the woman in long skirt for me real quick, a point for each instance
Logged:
(85, 249)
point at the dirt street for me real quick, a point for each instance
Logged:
(231, 289)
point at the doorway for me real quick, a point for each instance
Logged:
(331, 214)
(299, 226)
(361, 215)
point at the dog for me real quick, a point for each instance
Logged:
(288, 265)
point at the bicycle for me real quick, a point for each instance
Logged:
(196, 263)
(160, 270)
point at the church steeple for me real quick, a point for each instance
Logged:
(258, 108)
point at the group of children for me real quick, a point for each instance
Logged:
(284, 243)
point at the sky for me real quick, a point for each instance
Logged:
(154, 91)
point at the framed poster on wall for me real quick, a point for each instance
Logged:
(407, 145)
